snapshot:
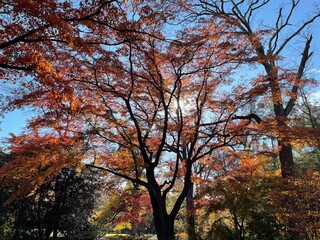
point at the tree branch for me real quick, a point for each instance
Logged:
(22, 37)
(305, 56)
(250, 117)
(288, 39)
(280, 26)
(3, 65)
(138, 181)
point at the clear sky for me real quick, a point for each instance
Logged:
(15, 121)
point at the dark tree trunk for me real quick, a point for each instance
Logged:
(164, 222)
(190, 213)
(286, 159)
(48, 233)
(164, 225)
(166, 231)
(285, 148)
(55, 234)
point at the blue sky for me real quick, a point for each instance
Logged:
(15, 121)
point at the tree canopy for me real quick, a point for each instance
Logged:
(157, 93)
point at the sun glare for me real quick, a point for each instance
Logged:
(184, 104)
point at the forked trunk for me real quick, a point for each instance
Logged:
(163, 224)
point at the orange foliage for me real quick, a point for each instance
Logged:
(113, 88)
(36, 159)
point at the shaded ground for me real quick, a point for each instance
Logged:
(127, 237)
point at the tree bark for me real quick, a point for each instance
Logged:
(286, 159)
(163, 223)
(285, 148)
(190, 213)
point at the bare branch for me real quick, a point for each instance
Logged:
(303, 26)
(305, 57)
(253, 7)
(280, 26)
(137, 181)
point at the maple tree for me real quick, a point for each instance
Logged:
(233, 196)
(240, 208)
(297, 203)
(248, 200)
(266, 44)
(156, 142)
(129, 207)
(29, 28)
(132, 123)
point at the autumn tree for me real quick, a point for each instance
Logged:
(126, 207)
(156, 140)
(131, 101)
(266, 44)
(306, 115)
(238, 202)
(62, 204)
(30, 33)
(297, 204)
(269, 46)
(122, 89)
(6, 227)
